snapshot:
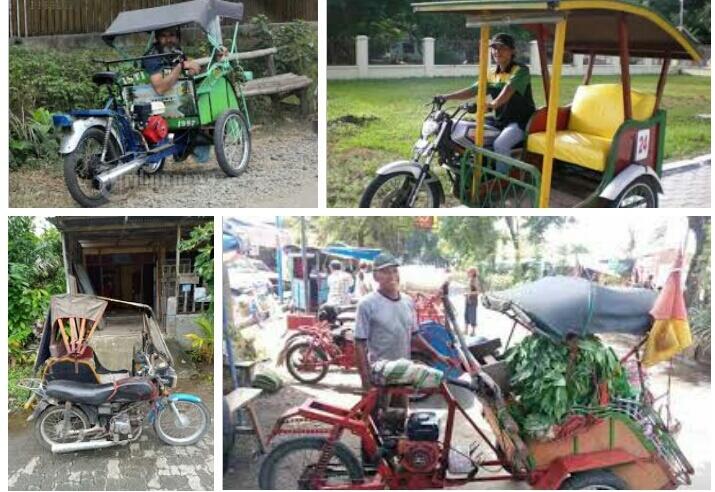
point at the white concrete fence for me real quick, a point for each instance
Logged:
(364, 70)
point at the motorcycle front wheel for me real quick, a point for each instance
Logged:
(294, 465)
(52, 428)
(83, 164)
(394, 189)
(182, 425)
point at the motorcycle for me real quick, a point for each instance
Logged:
(412, 184)
(312, 349)
(80, 405)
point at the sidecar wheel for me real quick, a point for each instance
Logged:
(51, 422)
(82, 165)
(232, 142)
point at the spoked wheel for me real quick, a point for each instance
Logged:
(594, 480)
(306, 363)
(293, 465)
(52, 428)
(393, 191)
(232, 141)
(639, 194)
(84, 163)
(182, 423)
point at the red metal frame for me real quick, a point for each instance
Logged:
(321, 337)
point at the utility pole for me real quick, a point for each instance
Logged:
(304, 260)
(680, 24)
(279, 258)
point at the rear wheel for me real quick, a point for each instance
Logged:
(641, 193)
(594, 480)
(84, 163)
(52, 427)
(394, 189)
(293, 465)
(232, 142)
(306, 363)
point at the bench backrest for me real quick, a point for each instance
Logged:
(598, 109)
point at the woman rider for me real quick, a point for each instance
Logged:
(509, 85)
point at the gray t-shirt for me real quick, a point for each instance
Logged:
(386, 325)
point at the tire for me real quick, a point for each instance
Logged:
(271, 465)
(76, 179)
(430, 197)
(295, 372)
(594, 480)
(166, 413)
(224, 158)
(152, 169)
(50, 417)
(643, 187)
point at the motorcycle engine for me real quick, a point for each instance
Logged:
(156, 129)
(120, 424)
(420, 451)
(152, 126)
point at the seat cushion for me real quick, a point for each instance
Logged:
(590, 151)
(598, 109)
(76, 392)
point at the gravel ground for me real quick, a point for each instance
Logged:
(283, 172)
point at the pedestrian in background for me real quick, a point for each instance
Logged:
(363, 282)
(471, 301)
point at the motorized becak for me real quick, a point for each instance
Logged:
(81, 405)
(605, 149)
(137, 130)
(618, 444)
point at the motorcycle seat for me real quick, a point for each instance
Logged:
(104, 78)
(75, 392)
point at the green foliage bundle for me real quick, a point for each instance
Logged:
(34, 274)
(43, 81)
(549, 378)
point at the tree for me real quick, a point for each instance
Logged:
(468, 240)
(697, 283)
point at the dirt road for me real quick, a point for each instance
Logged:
(690, 404)
(283, 172)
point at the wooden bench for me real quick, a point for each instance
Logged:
(240, 401)
(277, 86)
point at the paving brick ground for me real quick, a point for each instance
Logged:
(148, 464)
(688, 186)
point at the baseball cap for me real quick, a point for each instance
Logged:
(384, 260)
(503, 39)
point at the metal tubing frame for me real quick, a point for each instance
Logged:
(481, 109)
(543, 61)
(661, 81)
(625, 67)
(552, 112)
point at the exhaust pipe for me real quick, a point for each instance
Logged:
(108, 177)
(71, 447)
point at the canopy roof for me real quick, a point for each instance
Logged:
(366, 254)
(201, 12)
(561, 306)
(592, 24)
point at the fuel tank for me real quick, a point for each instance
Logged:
(135, 389)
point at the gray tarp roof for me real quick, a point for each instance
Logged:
(201, 12)
(77, 306)
(559, 306)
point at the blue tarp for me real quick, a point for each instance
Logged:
(366, 254)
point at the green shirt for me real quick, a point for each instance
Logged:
(521, 105)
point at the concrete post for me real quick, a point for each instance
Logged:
(361, 56)
(577, 62)
(428, 56)
(534, 64)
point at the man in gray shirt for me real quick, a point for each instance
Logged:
(385, 320)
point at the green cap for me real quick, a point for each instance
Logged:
(384, 260)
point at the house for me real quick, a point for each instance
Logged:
(136, 259)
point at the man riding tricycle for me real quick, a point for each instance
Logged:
(605, 149)
(159, 105)
(610, 438)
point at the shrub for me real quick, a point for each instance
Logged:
(202, 344)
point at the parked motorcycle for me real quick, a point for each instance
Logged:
(81, 405)
(411, 183)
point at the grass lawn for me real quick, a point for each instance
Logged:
(385, 116)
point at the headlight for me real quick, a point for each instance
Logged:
(429, 127)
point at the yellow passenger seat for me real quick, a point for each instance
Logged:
(596, 114)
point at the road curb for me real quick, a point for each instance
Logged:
(679, 165)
